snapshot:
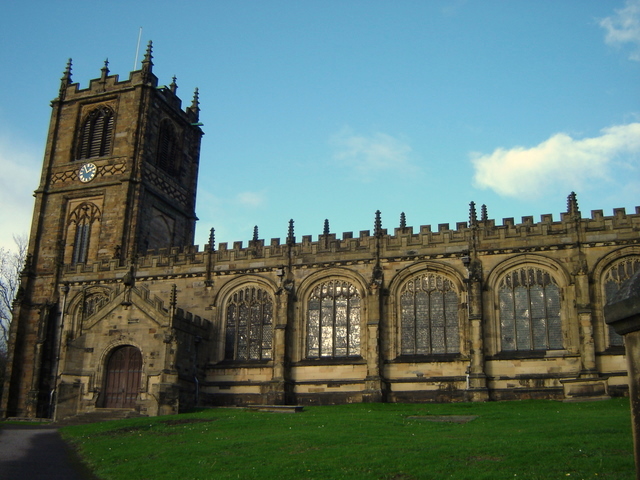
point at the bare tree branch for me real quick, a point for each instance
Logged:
(11, 264)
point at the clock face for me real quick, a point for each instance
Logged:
(87, 172)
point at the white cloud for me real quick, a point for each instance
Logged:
(559, 162)
(20, 165)
(372, 155)
(251, 199)
(624, 28)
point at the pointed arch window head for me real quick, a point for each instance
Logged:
(529, 301)
(333, 320)
(249, 322)
(167, 154)
(429, 316)
(96, 134)
(614, 277)
(82, 218)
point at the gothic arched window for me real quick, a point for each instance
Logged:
(429, 316)
(333, 320)
(96, 134)
(80, 224)
(249, 322)
(529, 311)
(613, 279)
(167, 155)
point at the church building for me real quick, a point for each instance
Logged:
(118, 309)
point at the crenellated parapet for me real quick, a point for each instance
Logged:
(191, 323)
(507, 237)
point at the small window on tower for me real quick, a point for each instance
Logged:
(167, 157)
(96, 134)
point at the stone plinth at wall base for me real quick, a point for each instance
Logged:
(585, 389)
(68, 400)
(168, 399)
(477, 395)
(275, 393)
(372, 392)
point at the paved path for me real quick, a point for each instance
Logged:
(29, 452)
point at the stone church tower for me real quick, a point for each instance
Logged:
(119, 177)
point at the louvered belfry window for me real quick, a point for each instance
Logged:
(333, 320)
(529, 311)
(249, 334)
(167, 149)
(96, 134)
(429, 316)
(613, 279)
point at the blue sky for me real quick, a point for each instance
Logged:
(335, 109)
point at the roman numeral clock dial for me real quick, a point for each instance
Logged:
(87, 172)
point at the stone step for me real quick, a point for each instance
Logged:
(99, 415)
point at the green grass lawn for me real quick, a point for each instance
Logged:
(519, 439)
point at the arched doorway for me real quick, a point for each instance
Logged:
(122, 377)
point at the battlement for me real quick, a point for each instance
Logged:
(191, 261)
(187, 319)
(106, 84)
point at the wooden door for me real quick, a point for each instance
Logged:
(122, 385)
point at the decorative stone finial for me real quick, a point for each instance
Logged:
(147, 63)
(66, 79)
(325, 230)
(212, 240)
(572, 204)
(377, 228)
(173, 86)
(174, 295)
(195, 104)
(483, 213)
(403, 220)
(473, 218)
(105, 70)
(255, 233)
(291, 239)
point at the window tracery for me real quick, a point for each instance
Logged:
(613, 279)
(429, 316)
(249, 330)
(333, 320)
(82, 218)
(529, 301)
(96, 134)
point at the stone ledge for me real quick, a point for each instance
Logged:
(276, 408)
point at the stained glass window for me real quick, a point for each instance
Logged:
(529, 300)
(614, 277)
(333, 320)
(249, 334)
(429, 316)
